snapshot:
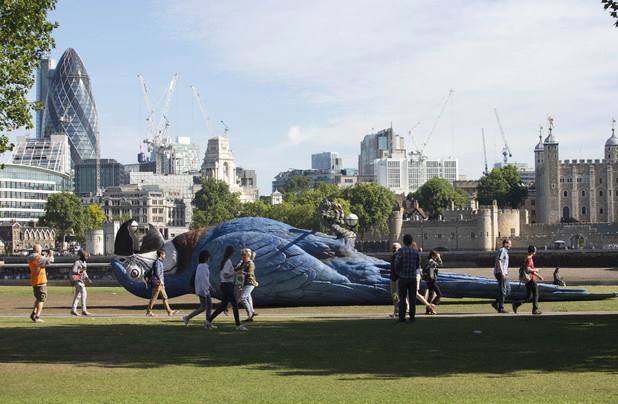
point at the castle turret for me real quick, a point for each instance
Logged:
(550, 192)
(539, 172)
(611, 145)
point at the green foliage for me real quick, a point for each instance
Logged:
(214, 203)
(436, 196)
(503, 185)
(25, 36)
(373, 204)
(96, 216)
(63, 212)
(295, 185)
(612, 6)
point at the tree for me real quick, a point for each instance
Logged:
(96, 216)
(611, 5)
(504, 186)
(295, 185)
(373, 204)
(63, 212)
(437, 195)
(25, 35)
(214, 203)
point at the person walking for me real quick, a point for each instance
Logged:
(393, 277)
(249, 282)
(407, 266)
(79, 276)
(227, 272)
(157, 283)
(430, 276)
(501, 272)
(38, 279)
(558, 281)
(202, 290)
(531, 275)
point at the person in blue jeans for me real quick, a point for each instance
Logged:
(501, 272)
(226, 277)
(202, 290)
(407, 267)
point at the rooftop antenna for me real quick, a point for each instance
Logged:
(550, 120)
(613, 125)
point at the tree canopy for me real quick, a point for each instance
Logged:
(612, 6)
(504, 186)
(25, 35)
(372, 203)
(295, 185)
(214, 203)
(63, 212)
(436, 196)
(96, 216)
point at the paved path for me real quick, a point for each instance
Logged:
(331, 315)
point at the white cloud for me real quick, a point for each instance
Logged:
(380, 62)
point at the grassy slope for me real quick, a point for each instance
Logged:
(571, 358)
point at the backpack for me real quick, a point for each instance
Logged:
(524, 273)
(149, 274)
(429, 272)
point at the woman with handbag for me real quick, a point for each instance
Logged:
(227, 273)
(79, 276)
(430, 276)
(249, 283)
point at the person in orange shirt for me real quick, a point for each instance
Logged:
(38, 279)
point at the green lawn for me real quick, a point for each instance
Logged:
(482, 359)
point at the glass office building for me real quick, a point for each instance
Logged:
(70, 109)
(24, 191)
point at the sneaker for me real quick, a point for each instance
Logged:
(33, 317)
(86, 313)
(185, 320)
(495, 306)
(255, 314)
(502, 311)
(210, 326)
(173, 313)
(515, 307)
(537, 312)
(38, 320)
(74, 313)
(241, 328)
(150, 314)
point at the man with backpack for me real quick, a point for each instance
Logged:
(501, 272)
(529, 275)
(156, 279)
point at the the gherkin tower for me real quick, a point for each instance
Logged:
(70, 107)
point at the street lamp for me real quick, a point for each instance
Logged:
(351, 220)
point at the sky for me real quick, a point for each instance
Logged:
(291, 78)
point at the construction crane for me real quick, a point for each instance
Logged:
(157, 140)
(200, 104)
(421, 150)
(486, 172)
(506, 150)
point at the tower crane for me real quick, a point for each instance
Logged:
(486, 172)
(421, 150)
(506, 150)
(200, 104)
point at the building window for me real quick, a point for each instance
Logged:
(565, 194)
(533, 212)
(452, 236)
(583, 193)
(425, 236)
(561, 180)
(553, 186)
(472, 235)
(583, 210)
(600, 180)
(601, 211)
(533, 202)
(601, 192)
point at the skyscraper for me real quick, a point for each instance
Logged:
(70, 107)
(383, 144)
(45, 73)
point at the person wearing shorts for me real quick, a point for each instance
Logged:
(38, 279)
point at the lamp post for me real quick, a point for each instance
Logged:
(351, 220)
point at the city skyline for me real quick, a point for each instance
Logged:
(360, 67)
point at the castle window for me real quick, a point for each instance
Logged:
(439, 236)
(601, 211)
(533, 212)
(472, 235)
(600, 180)
(583, 210)
(617, 192)
(425, 236)
(601, 193)
(452, 236)
(579, 179)
(583, 193)
(565, 194)
(553, 186)
(561, 180)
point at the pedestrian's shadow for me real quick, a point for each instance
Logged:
(349, 348)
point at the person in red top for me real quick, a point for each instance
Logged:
(532, 286)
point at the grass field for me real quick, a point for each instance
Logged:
(295, 354)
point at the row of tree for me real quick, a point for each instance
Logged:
(65, 213)
(372, 203)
